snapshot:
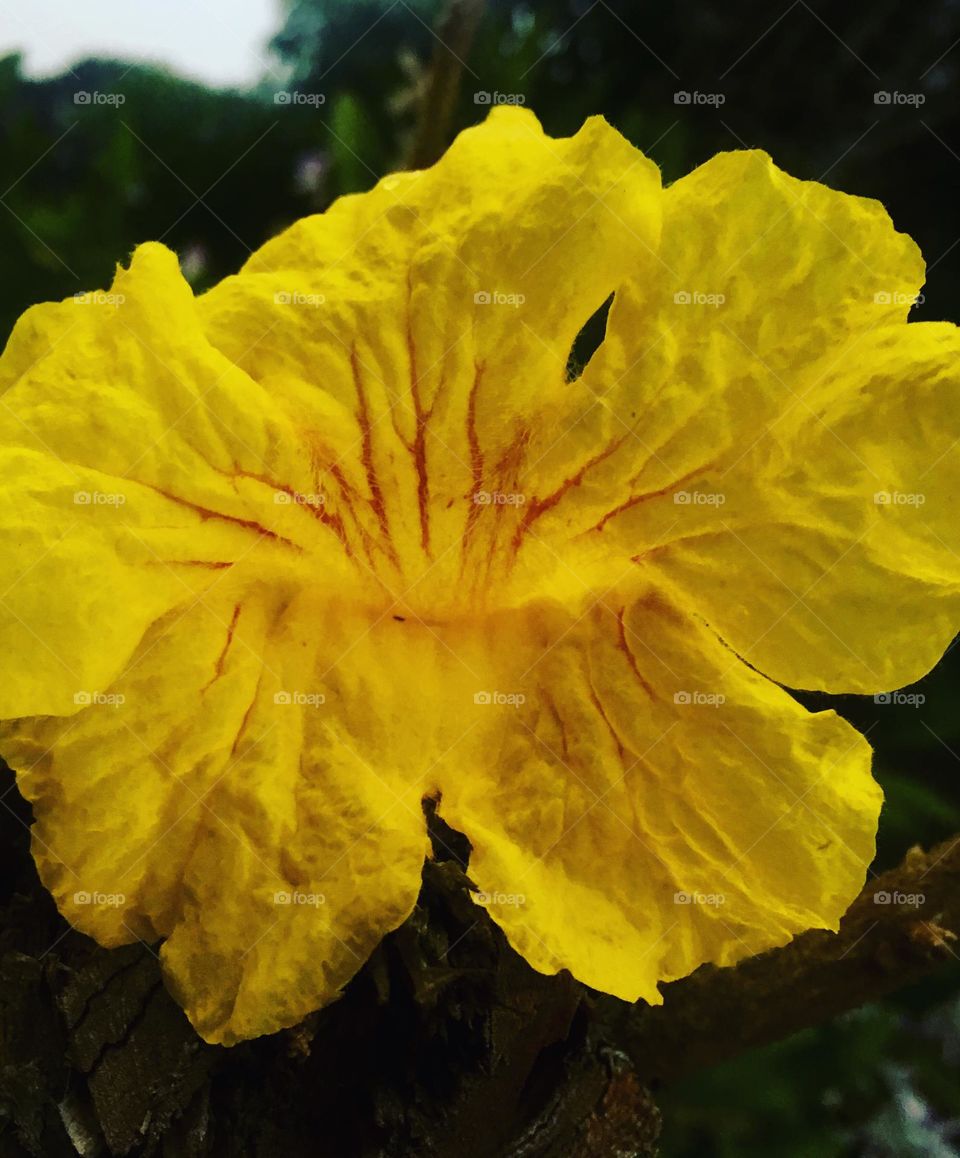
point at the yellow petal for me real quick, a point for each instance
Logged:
(758, 276)
(429, 323)
(748, 403)
(667, 805)
(136, 461)
(231, 794)
(846, 524)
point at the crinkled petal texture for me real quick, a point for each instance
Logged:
(340, 535)
(760, 408)
(668, 805)
(421, 332)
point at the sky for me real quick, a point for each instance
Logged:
(220, 42)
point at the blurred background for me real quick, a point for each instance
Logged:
(212, 126)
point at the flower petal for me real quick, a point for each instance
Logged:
(435, 315)
(757, 277)
(136, 461)
(652, 825)
(760, 277)
(232, 794)
(848, 523)
(738, 444)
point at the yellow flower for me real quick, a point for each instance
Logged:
(338, 535)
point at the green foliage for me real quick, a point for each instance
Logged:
(213, 174)
(876, 1082)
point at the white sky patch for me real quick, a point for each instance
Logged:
(222, 43)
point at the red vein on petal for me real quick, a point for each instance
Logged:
(221, 658)
(246, 715)
(332, 521)
(366, 457)
(635, 500)
(205, 513)
(212, 564)
(631, 658)
(419, 447)
(558, 720)
(595, 700)
(538, 507)
(476, 454)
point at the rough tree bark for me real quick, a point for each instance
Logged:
(446, 1043)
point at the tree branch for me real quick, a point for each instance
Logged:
(438, 102)
(902, 927)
